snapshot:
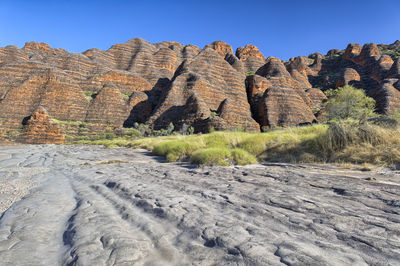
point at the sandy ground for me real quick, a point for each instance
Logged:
(86, 205)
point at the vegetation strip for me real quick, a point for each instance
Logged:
(354, 134)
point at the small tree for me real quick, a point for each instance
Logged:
(349, 102)
(170, 128)
(190, 130)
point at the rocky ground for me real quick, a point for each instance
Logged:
(86, 205)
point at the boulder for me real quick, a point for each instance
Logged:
(369, 54)
(221, 47)
(300, 64)
(52, 88)
(273, 68)
(387, 96)
(251, 57)
(385, 62)
(235, 63)
(277, 74)
(317, 64)
(352, 51)
(244, 53)
(39, 129)
(333, 52)
(349, 75)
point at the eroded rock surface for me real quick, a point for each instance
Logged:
(40, 129)
(96, 206)
(154, 83)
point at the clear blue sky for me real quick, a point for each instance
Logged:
(281, 28)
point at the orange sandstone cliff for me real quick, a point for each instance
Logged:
(46, 93)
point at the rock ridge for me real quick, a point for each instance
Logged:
(162, 83)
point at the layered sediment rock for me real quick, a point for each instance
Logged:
(108, 107)
(251, 57)
(349, 75)
(167, 82)
(282, 106)
(387, 96)
(316, 96)
(222, 48)
(52, 89)
(352, 51)
(40, 129)
(213, 80)
(394, 71)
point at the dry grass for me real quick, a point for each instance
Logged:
(352, 142)
(342, 142)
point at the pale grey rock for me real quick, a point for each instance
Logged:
(75, 209)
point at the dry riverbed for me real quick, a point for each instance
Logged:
(87, 205)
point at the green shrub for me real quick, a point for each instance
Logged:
(132, 133)
(213, 114)
(242, 157)
(212, 156)
(250, 73)
(127, 95)
(170, 128)
(108, 135)
(394, 53)
(349, 102)
(90, 95)
(190, 130)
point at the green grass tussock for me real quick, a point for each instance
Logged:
(340, 142)
(242, 157)
(212, 156)
(254, 145)
(175, 150)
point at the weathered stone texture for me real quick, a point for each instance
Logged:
(140, 108)
(284, 107)
(251, 57)
(387, 96)
(316, 96)
(352, 51)
(277, 74)
(126, 81)
(213, 80)
(166, 82)
(53, 90)
(347, 77)
(39, 129)
(394, 71)
(221, 47)
(108, 107)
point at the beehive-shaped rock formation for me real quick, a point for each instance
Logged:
(39, 129)
(284, 107)
(166, 82)
(213, 80)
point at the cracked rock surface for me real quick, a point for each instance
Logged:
(87, 205)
